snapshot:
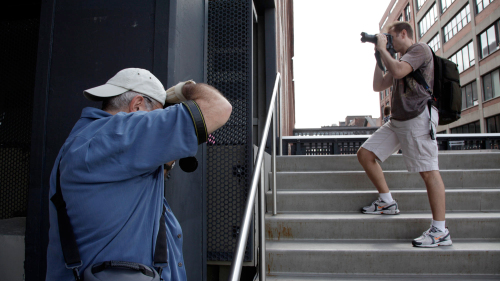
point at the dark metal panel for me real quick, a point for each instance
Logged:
(37, 219)
(262, 5)
(230, 150)
(186, 193)
(18, 57)
(271, 67)
(160, 61)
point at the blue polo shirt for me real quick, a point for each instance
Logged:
(112, 182)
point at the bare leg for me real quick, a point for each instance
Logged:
(367, 159)
(436, 193)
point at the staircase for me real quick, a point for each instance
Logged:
(320, 234)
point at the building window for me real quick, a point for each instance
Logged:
(488, 40)
(407, 12)
(434, 43)
(445, 4)
(469, 95)
(491, 85)
(400, 18)
(493, 124)
(428, 20)
(464, 58)
(381, 95)
(481, 4)
(420, 3)
(471, 128)
(457, 23)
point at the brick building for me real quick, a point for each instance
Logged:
(466, 32)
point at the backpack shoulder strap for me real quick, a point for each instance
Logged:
(419, 77)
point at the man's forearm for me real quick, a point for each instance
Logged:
(394, 67)
(381, 81)
(389, 62)
(215, 107)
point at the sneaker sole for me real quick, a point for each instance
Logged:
(444, 243)
(387, 212)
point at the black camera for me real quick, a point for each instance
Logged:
(373, 39)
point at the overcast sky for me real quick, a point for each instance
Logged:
(333, 70)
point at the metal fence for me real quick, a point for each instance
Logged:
(330, 145)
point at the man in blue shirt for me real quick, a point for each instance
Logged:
(111, 170)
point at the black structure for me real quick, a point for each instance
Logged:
(331, 145)
(53, 50)
(81, 45)
(19, 32)
(230, 153)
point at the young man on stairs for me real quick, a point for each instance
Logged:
(408, 129)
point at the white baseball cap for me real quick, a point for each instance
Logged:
(129, 79)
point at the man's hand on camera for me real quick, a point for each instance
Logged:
(174, 93)
(167, 167)
(381, 42)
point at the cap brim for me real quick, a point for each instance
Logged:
(104, 91)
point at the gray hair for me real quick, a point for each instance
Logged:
(122, 101)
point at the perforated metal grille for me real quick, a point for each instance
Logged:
(18, 59)
(229, 152)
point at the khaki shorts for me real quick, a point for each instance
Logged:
(412, 137)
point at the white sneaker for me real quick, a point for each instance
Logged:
(433, 237)
(379, 207)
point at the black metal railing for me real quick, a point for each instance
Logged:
(331, 145)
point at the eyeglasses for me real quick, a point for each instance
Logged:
(149, 99)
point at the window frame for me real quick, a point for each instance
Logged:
(455, 25)
(420, 4)
(438, 43)
(466, 127)
(491, 85)
(492, 120)
(482, 6)
(473, 95)
(458, 57)
(485, 34)
(443, 8)
(407, 12)
(425, 24)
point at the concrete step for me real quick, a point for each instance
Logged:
(453, 161)
(358, 180)
(392, 257)
(371, 276)
(457, 200)
(12, 232)
(405, 226)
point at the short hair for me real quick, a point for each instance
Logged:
(387, 110)
(399, 26)
(122, 101)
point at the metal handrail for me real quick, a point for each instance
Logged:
(237, 263)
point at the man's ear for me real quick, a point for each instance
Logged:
(404, 34)
(135, 103)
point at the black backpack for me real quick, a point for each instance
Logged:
(447, 94)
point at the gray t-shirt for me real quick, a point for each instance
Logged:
(409, 100)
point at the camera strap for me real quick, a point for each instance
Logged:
(200, 126)
(70, 247)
